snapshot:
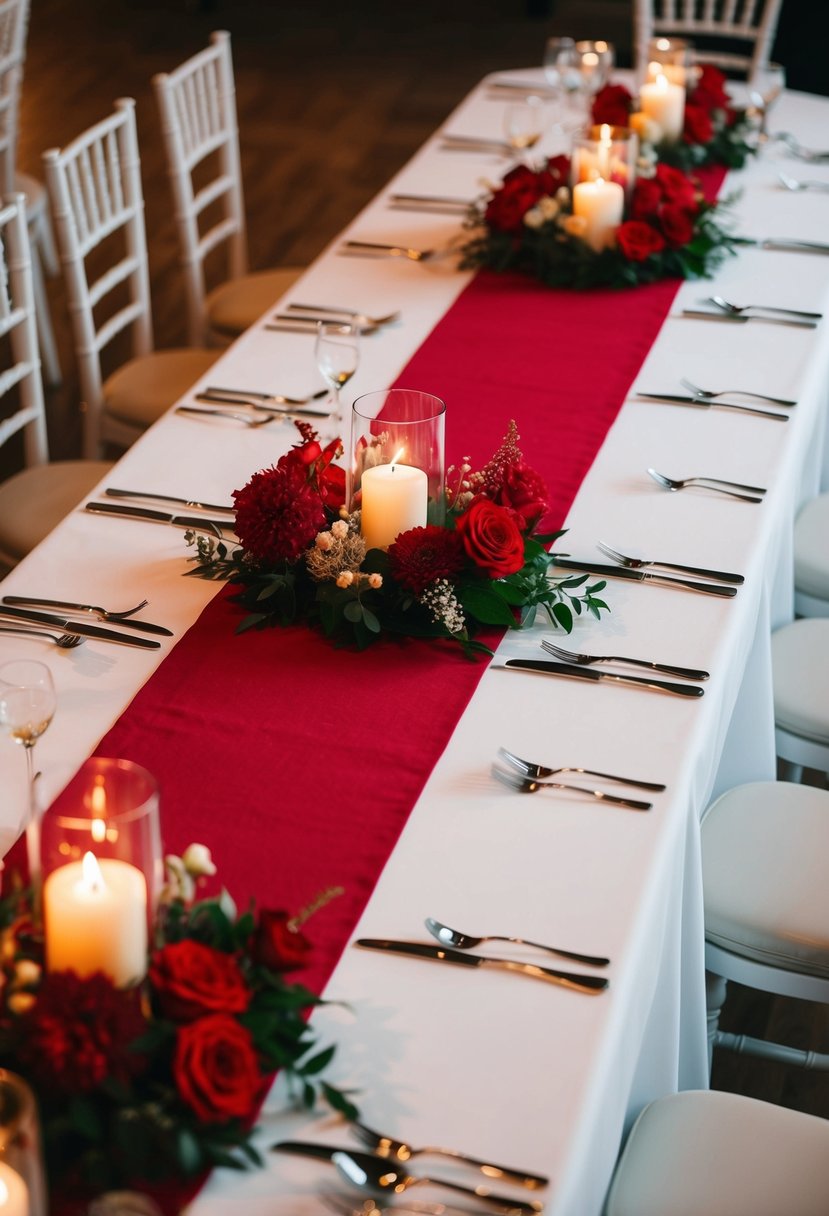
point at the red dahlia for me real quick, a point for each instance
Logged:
(278, 513)
(79, 1032)
(421, 555)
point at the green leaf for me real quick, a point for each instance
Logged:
(370, 620)
(318, 1062)
(564, 616)
(353, 611)
(481, 602)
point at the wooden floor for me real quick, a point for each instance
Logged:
(332, 98)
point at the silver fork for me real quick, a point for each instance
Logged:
(526, 785)
(642, 563)
(709, 483)
(808, 154)
(103, 614)
(706, 394)
(247, 419)
(233, 395)
(359, 318)
(350, 1205)
(362, 248)
(536, 771)
(399, 1150)
(795, 186)
(66, 641)
(586, 660)
(737, 310)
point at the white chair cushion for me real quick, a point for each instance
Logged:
(811, 548)
(764, 850)
(145, 388)
(236, 305)
(800, 675)
(34, 501)
(720, 1154)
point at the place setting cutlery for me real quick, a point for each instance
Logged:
(149, 496)
(126, 618)
(374, 249)
(465, 941)
(350, 314)
(286, 322)
(728, 317)
(580, 671)
(250, 419)
(66, 641)
(734, 489)
(348, 1205)
(781, 244)
(122, 510)
(738, 310)
(374, 1174)
(459, 958)
(588, 565)
(702, 399)
(475, 143)
(262, 401)
(797, 187)
(707, 394)
(538, 772)
(520, 784)
(587, 660)
(65, 624)
(438, 203)
(645, 563)
(811, 155)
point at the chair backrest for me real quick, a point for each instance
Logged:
(197, 103)
(17, 322)
(94, 187)
(752, 22)
(14, 19)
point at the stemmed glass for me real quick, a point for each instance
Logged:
(27, 706)
(595, 63)
(561, 68)
(337, 353)
(765, 87)
(524, 123)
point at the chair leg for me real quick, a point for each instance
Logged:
(45, 332)
(44, 238)
(789, 771)
(762, 1049)
(715, 993)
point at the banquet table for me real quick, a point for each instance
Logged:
(494, 1064)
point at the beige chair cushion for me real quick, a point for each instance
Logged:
(720, 1154)
(33, 502)
(800, 674)
(233, 307)
(811, 548)
(764, 851)
(145, 388)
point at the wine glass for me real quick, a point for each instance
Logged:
(524, 123)
(337, 352)
(595, 63)
(27, 706)
(765, 86)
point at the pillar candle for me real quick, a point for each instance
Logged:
(664, 103)
(602, 205)
(95, 916)
(394, 498)
(14, 1194)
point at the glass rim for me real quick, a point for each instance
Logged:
(107, 763)
(423, 394)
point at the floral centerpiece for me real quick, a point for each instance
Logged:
(159, 1082)
(714, 131)
(527, 224)
(301, 555)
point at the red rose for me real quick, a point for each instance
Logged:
(190, 979)
(710, 90)
(215, 1068)
(677, 225)
(612, 105)
(638, 240)
(520, 190)
(276, 945)
(420, 556)
(555, 173)
(698, 128)
(491, 539)
(676, 187)
(647, 197)
(524, 494)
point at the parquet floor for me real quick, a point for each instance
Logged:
(332, 99)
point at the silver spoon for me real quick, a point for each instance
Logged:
(737, 310)
(709, 395)
(708, 483)
(464, 941)
(796, 187)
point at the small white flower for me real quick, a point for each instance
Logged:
(197, 861)
(324, 541)
(563, 196)
(345, 579)
(533, 218)
(26, 973)
(375, 581)
(548, 207)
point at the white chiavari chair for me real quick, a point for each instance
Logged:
(14, 17)
(34, 500)
(197, 103)
(811, 558)
(749, 23)
(97, 203)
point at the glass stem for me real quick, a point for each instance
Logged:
(33, 828)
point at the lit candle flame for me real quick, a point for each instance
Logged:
(93, 879)
(397, 455)
(605, 146)
(661, 82)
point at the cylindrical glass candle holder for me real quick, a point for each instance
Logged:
(662, 95)
(396, 467)
(603, 170)
(102, 871)
(22, 1176)
(669, 57)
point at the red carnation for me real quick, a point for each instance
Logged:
(677, 226)
(698, 128)
(524, 493)
(216, 1070)
(422, 555)
(638, 240)
(612, 105)
(278, 512)
(79, 1032)
(276, 945)
(191, 979)
(491, 538)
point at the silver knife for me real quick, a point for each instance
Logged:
(323, 1152)
(87, 631)
(731, 318)
(548, 667)
(159, 517)
(676, 399)
(439, 199)
(642, 576)
(182, 502)
(356, 1163)
(442, 954)
(286, 411)
(782, 243)
(22, 601)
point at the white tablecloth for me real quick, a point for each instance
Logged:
(503, 1067)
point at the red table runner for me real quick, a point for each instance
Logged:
(298, 764)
